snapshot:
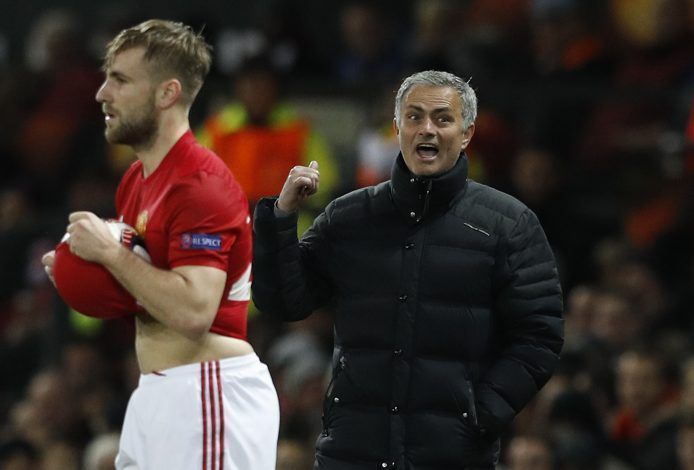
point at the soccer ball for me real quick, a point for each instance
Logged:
(88, 287)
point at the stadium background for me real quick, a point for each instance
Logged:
(585, 114)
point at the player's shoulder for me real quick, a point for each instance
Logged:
(201, 175)
(202, 165)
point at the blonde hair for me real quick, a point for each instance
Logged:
(173, 50)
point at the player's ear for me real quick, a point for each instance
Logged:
(395, 127)
(468, 133)
(168, 93)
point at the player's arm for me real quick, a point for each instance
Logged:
(185, 298)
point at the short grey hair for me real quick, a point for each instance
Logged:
(440, 79)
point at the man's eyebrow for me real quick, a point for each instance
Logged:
(443, 109)
(116, 74)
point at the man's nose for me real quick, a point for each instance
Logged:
(427, 127)
(101, 93)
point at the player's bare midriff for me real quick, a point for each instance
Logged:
(159, 347)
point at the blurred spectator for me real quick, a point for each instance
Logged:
(687, 378)
(493, 31)
(672, 258)
(26, 324)
(685, 441)
(537, 179)
(491, 151)
(100, 453)
(276, 30)
(85, 373)
(299, 361)
(287, 44)
(615, 321)
(654, 37)
(37, 418)
(293, 455)
(369, 50)
(261, 137)
(625, 270)
(577, 431)
(18, 454)
(654, 213)
(436, 43)
(376, 152)
(60, 455)
(655, 55)
(579, 312)
(530, 453)
(652, 305)
(571, 66)
(688, 163)
(567, 38)
(643, 429)
(377, 145)
(609, 256)
(58, 129)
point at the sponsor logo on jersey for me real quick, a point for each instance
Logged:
(141, 222)
(201, 241)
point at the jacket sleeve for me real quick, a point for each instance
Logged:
(528, 308)
(290, 277)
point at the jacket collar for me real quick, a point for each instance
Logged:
(415, 197)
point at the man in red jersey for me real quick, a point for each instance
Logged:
(204, 399)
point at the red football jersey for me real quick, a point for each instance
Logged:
(191, 211)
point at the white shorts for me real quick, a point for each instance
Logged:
(217, 415)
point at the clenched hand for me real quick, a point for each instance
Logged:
(302, 182)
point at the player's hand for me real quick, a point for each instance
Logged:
(90, 238)
(47, 260)
(302, 183)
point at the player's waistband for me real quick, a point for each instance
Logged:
(229, 363)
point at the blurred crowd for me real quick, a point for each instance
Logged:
(586, 115)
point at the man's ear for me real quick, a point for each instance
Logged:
(168, 93)
(395, 127)
(467, 133)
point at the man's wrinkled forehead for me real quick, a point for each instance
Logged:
(433, 98)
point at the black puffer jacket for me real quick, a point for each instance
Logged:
(448, 316)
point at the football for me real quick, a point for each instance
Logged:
(88, 287)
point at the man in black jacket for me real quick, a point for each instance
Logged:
(446, 296)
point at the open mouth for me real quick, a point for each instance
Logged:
(427, 151)
(108, 115)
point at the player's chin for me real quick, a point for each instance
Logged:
(111, 136)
